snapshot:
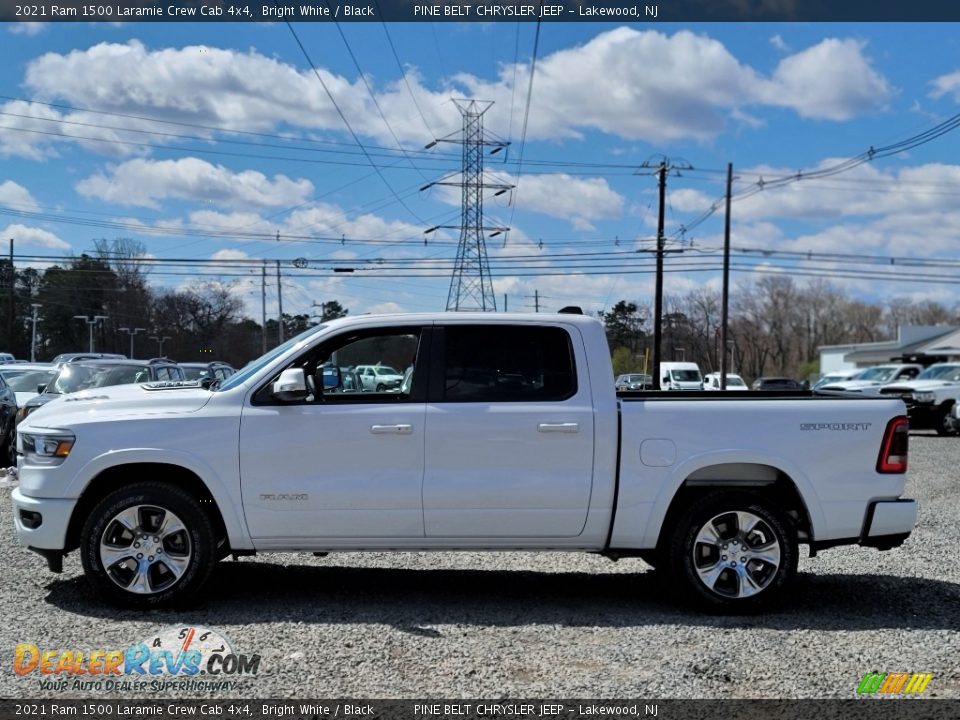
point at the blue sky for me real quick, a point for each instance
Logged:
(253, 146)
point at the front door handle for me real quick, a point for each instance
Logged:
(559, 427)
(391, 429)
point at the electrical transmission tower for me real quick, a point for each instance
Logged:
(471, 286)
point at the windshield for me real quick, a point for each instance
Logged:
(193, 373)
(877, 374)
(685, 375)
(252, 368)
(27, 380)
(385, 370)
(83, 377)
(735, 382)
(939, 372)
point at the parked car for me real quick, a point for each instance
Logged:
(776, 383)
(27, 379)
(634, 381)
(8, 422)
(870, 379)
(711, 381)
(379, 378)
(86, 374)
(6, 358)
(207, 371)
(718, 495)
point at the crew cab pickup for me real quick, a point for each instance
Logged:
(509, 436)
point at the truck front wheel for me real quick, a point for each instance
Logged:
(733, 551)
(148, 544)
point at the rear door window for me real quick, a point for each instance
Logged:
(503, 363)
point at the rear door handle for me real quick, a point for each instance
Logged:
(391, 429)
(559, 427)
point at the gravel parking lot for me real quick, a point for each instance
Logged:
(457, 625)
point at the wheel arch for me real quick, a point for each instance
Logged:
(784, 485)
(117, 476)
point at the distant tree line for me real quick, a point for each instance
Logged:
(201, 321)
(776, 326)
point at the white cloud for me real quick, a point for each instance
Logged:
(559, 195)
(229, 254)
(16, 195)
(830, 81)
(146, 182)
(26, 28)
(636, 84)
(946, 85)
(779, 43)
(24, 235)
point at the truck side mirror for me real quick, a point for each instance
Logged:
(291, 385)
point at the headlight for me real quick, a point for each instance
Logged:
(924, 397)
(46, 448)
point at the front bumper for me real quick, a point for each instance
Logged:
(923, 416)
(50, 532)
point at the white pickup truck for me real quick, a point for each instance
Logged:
(509, 436)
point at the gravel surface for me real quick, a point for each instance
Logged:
(472, 625)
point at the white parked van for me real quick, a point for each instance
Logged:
(680, 376)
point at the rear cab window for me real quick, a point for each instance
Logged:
(505, 363)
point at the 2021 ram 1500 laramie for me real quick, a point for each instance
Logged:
(507, 434)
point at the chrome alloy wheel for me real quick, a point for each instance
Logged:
(145, 549)
(736, 554)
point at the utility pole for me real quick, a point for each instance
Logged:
(132, 333)
(33, 334)
(537, 297)
(279, 302)
(160, 340)
(263, 306)
(726, 282)
(13, 297)
(263, 303)
(471, 286)
(663, 167)
(90, 323)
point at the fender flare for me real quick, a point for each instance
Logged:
(684, 470)
(230, 510)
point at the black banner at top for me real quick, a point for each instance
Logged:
(623, 11)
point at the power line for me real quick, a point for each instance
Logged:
(349, 127)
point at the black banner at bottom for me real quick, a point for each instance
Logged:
(538, 709)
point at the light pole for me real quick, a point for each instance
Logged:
(33, 334)
(132, 333)
(160, 340)
(90, 323)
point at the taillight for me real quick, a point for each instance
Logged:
(893, 450)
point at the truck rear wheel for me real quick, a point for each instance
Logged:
(148, 544)
(733, 551)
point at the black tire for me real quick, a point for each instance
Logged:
(381, 388)
(744, 578)
(942, 423)
(8, 446)
(193, 549)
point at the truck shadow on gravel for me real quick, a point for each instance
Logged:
(411, 600)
